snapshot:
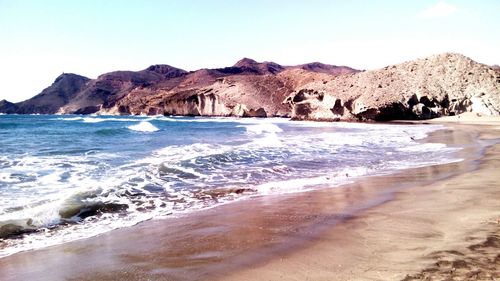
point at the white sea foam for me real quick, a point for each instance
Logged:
(93, 120)
(337, 139)
(143, 126)
(7, 177)
(70, 118)
(262, 128)
(304, 184)
(98, 120)
(266, 141)
(128, 119)
(423, 147)
(178, 153)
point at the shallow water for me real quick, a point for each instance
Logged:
(69, 177)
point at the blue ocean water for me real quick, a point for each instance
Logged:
(69, 177)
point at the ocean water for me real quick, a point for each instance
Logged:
(64, 178)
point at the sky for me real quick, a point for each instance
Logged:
(39, 40)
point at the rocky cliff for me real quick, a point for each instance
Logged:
(109, 88)
(63, 91)
(8, 107)
(444, 84)
(246, 89)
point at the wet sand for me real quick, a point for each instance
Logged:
(428, 222)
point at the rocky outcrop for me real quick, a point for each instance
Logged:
(108, 88)
(203, 104)
(247, 89)
(8, 107)
(440, 85)
(63, 91)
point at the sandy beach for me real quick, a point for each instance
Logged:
(445, 230)
(433, 223)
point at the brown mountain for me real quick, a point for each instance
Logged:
(248, 88)
(444, 84)
(63, 91)
(258, 68)
(110, 87)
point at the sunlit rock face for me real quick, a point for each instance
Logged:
(446, 84)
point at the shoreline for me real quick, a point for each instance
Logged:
(268, 237)
(448, 230)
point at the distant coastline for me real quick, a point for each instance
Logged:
(442, 85)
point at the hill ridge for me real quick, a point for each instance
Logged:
(441, 84)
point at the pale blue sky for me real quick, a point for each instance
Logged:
(41, 39)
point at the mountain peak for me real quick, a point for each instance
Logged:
(4, 101)
(259, 67)
(163, 68)
(447, 57)
(246, 62)
(326, 68)
(69, 76)
(7, 106)
(166, 70)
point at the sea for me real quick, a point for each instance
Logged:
(69, 177)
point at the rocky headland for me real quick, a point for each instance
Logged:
(440, 85)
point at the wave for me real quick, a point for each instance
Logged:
(70, 118)
(304, 184)
(424, 147)
(199, 119)
(262, 128)
(101, 119)
(8, 125)
(93, 120)
(110, 131)
(143, 126)
(183, 152)
(7, 177)
(122, 119)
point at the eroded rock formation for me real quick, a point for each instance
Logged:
(445, 84)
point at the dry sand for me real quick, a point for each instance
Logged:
(433, 223)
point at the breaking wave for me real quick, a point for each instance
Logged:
(143, 126)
